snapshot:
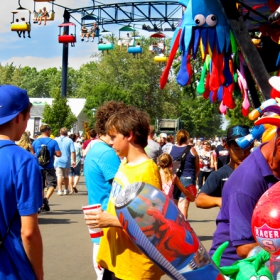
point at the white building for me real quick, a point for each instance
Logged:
(35, 121)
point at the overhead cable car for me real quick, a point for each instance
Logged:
(21, 20)
(137, 48)
(64, 37)
(128, 40)
(50, 13)
(158, 47)
(104, 46)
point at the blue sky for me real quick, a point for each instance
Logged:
(43, 50)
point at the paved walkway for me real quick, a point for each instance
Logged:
(67, 245)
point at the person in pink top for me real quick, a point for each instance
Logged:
(169, 179)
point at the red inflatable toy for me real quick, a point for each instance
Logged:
(266, 220)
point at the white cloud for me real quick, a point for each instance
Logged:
(43, 63)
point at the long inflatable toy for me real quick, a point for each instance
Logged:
(158, 228)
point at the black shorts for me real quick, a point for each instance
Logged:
(49, 178)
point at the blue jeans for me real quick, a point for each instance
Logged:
(186, 181)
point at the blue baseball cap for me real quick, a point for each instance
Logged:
(13, 100)
(237, 131)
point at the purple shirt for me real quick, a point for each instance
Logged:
(240, 195)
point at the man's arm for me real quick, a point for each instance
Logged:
(243, 250)
(32, 243)
(196, 162)
(57, 153)
(215, 155)
(102, 220)
(206, 201)
(208, 196)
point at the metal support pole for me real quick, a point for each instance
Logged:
(66, 17)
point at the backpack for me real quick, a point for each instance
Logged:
(44, 155)
(179, 163)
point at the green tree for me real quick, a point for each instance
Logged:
(235, 116)
(59, 114)
(121, 77)
(201, 118)
(10, 74)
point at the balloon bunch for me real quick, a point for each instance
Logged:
(266, 126)
(204, 26)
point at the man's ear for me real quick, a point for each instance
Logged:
(130, 138)
(17, 118)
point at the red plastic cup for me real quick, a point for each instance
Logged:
(93, 232)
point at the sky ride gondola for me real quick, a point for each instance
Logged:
(64, 37)
(51, 12)
(158, 47)
(102, 46)
(21, 20)
(128, 40)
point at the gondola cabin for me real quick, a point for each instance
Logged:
(136, 49)
(64, 37)
(127, 40)
(21, 20)
(38, 7)
(160, 59)
(105, 46)
(158, 47)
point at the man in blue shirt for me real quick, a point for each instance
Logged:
(210, 194)
(21, 252)
(63, 163)
(47, 171)
(246, 185)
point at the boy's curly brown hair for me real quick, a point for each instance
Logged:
(104, 112)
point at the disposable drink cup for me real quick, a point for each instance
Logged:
(93, 232)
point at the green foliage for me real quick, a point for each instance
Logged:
(235, 116)
(122, 77)
(201, 118)
(59, 114)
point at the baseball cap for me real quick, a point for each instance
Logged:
(13, 100)
(237, 131)
(163, 135)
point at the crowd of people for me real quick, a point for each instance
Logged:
(122, 150)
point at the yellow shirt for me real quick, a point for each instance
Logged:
(117, 252)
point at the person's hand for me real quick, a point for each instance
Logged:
(102, 219)
(73, 164)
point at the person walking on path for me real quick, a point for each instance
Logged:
(75, 172)
(63, 163)
(47, 170)
(206, 163)
(21, 249)
(189, 170)
(118, 255)
(153, 149)
(101, 166)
